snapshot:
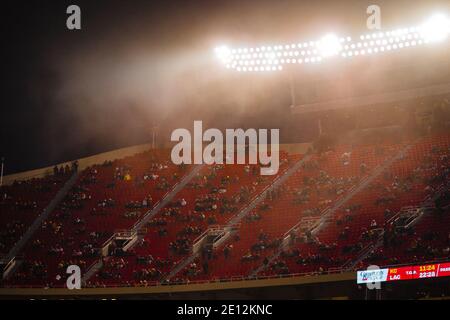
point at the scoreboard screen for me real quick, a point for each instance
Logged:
(436, 270)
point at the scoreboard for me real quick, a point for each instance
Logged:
(436, 270)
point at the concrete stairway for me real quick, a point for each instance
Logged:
(369, 249)
(168, 197)
(43, 216)
(93, 269)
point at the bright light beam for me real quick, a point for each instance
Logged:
(223, 53)
(330, 45)
(436, 28)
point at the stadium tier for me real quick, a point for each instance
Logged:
(141, 220)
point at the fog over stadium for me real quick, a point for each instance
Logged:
(131, 67)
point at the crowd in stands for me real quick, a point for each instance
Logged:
(116, 194)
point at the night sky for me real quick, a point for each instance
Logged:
(69, 94)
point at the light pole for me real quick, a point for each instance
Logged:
(292, 89)
(154, 129)
(1, 171)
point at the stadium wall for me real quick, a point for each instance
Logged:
(194, 290)
(82, 163)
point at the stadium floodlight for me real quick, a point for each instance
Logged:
(329, 45)
(274, 57)
(436, 29)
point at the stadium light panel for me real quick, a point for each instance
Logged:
(270, 58)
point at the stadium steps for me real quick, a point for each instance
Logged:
(328, 213)
(43, 216)
(369, 249)
(245, 211)
(168, 198)
(93, 269)
(96, 266)
(6, 275)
